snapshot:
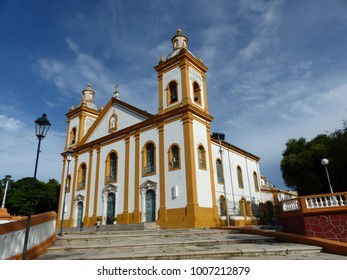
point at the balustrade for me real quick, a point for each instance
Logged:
(314, 202)
(324, 201)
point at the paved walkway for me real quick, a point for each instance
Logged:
(178, 244)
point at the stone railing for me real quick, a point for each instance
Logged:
(324, 201)
(315, 203)
(41, 236)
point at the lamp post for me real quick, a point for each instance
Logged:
(41, 125)
(7, 178)
(69, 153)
(221, 136)
(325, 162)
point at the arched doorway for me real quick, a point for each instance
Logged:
(79, 213)
(150, 206)
(111, 206)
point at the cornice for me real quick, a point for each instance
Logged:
(188, 109)
(236, 149)
(183, 56)
(80, 110)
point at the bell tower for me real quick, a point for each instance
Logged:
(181, 78)
(81, 118)
(184, 108)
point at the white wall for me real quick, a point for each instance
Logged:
(232, 159)
(173, 133)
(203, 177)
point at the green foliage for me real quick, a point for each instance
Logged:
(301, 163)
(45, 196)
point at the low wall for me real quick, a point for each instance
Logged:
(41, 236)
(322, 216)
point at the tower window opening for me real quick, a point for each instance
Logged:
(73, 136)
(197, 93)
(172, 92)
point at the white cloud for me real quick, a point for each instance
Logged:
(9, 124)
(252, 49)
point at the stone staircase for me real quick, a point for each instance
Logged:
(148, 242)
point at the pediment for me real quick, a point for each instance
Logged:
(148, 185)
(79, 198)
(116, 116)
(109, 188)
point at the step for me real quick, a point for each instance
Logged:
(231, 251)
(115, 227)
(163, 236)
(173, 244)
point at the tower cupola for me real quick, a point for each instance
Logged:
(181, 78)
(179, 42)
(88, 97)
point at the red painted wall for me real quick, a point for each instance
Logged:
(329, 226)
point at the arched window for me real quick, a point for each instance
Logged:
(255, 179)
(73, 136)
(111, 167)
(172, 92)
(197, 93)
(223, 205)
(82, 174)
(202, 157)
(239, 177)
(174, 157)
(148, 157)
(219, 168)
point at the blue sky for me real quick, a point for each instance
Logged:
(277, 69)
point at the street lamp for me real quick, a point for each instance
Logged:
(69, 153)
(41, 126)
(7, 178)
(325, 162)
(221, 136)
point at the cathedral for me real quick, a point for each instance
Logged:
(130, 166)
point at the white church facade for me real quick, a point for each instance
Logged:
(135, 167)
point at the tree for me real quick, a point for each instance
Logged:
(301, 163)
(45, 198)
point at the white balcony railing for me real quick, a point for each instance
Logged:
(325, 201)
(321, 201)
